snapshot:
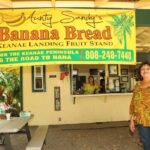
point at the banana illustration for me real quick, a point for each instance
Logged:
(15, 20)
(19, 22)
(11, 19)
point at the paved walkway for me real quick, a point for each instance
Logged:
(99, 136)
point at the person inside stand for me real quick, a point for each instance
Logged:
(102, 86)
(90, 87)
(79, 83)
(140, 105)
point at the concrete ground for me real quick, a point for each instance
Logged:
(98, 136)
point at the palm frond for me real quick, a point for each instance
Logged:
(116, 19)
(123, 17)
(128, 30)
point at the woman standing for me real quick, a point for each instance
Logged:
(140, 105)
(90, 87)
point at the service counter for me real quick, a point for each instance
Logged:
(80, 96)
(102, 107)
(111, 101)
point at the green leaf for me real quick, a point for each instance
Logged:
(116, 18)
(123, 17)
(128, 30)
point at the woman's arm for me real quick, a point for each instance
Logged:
(132, 111)
(132, 124)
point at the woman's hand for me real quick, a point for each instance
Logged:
(132, 125)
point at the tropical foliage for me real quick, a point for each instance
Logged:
(10, 90)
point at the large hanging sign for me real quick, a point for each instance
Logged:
(56, 36)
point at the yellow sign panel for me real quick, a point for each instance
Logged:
(63, 35)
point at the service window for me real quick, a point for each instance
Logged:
(80, 77)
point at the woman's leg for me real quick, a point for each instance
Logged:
(145, 136)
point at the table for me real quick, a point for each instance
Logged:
(14, 125)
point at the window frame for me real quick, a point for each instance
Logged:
(40, 77)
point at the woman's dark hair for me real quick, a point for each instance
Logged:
(139, 70)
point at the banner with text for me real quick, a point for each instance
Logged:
(68, 36)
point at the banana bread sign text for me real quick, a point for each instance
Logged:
(47, 36)
(71, 33)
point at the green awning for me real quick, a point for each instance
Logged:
(143, 56)
(142, 17)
